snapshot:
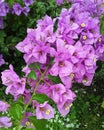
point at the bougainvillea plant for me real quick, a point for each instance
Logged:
(57, 54)
(13, 7)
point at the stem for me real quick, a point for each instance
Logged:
(29, 102)
(37, 84)
(46, 82)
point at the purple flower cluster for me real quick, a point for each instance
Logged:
(1, 60)
(100, 48)
(74, 49)
(60, 94)
(4, 106)
(16, 9)
(15, 85)
(43, 111)
(4, 121)
(4, 9)
(95, 7)
(70, 54)
(28, 2)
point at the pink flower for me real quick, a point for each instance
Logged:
(27, 96)
(56, 91)
(4, 106)
(26, 120)
(44, 111)
(26, 46)
(15, 85)
(16, 88)
(1, 60)
(65, 107)
(65, 102)
(1, 1)
(67, 80)
(62, 66)
(9, 76)
(28, 2)
(5, 122)
(17, 8)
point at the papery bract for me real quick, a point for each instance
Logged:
(17, 9)
(28, 2)
(4, 106)
(1, 60)
(26, 10)
(44, 111)
(15, 85)
(5, 122)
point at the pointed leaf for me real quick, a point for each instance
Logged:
(16, 111)
(41, 98)
(34, 66)
(39, 124)
(54, 79)
(32, 75)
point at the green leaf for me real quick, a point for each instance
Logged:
(17, 128)
(16, 111)
(54, 79)
(2, 34)
(29, 129)
(34, 66)
(102, 105)
(41, 98)
(102, 25)
(56, 25)
(32, 75)
(39, 124)
(11, 2)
